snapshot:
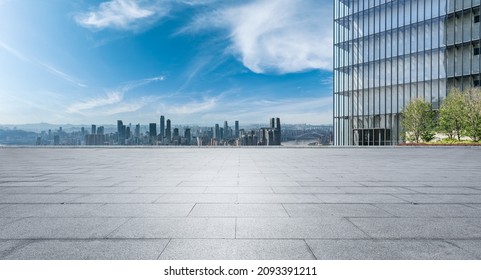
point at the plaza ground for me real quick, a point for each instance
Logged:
(240, 203)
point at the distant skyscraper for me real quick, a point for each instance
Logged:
(217, 132)
(120, 132)
(168, 131)
(187, 136)
(137, 130)
(277, 132)
(94, 129)
(100, 130)
(152, 133)
(162, 128)
(127, 132)
(226, 130)
(236, 129)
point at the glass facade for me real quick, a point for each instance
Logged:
(387, 52)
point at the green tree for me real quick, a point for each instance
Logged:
(418, 120)
(452, 114)
(473, 113)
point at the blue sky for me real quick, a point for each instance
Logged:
(194, 61)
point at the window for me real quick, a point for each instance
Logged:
(476, 19)
(476, 83)
(476, 51)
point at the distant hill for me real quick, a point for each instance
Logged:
(17, 137)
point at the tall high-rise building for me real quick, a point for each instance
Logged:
(226, 130)
(217, 132)
(137, 130)
(100, 130)
(236, 127)
(389, 52)
(94, 129)
(120, 132)
(168, 132)
(152, 133)
(162, 128)
(276, 133)
(187, 136)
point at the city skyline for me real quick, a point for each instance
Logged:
(203, 60)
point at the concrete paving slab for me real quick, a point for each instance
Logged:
(164, 190)
(387, 250)
(375, 190)
(95, 249)
(223, 183)
(307, 190)
(358, 198)
(430, 210)
(31, 190)
(48, 210)
(51, 228)
(156, 183)
(277, 198)
(100, 190)
(427, 228)
(473, 246)
(28, 184)
(236, 249)
(38, 198)
(142, 210)
(197, 198)
(117, 198)
(440, 198)
(8, 246)
(4, 221)
(176, 228)
(322, 183)
(296, 228)
(446, 190)
(238, 210)
(239, 190)
(335, 210)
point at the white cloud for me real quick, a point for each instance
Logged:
(41, 64)
(13, 51)
(113, 102)
(195, 107)
(123, 14)
(61, 74)
(283, 36)
(109, 99)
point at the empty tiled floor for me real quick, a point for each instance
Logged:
(240, 203)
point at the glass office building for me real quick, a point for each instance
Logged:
(387, 52)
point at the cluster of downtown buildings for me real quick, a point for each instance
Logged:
(388, 52)
(164, 134)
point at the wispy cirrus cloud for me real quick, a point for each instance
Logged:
(123, 14)
(14, 52)
(41, 64)
(283, 36)
(61, 74)
(113, 102)
(195, 107)
(110, 98)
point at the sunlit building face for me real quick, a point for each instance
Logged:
(387, 52)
